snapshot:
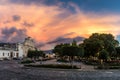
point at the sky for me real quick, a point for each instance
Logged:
(50, 22)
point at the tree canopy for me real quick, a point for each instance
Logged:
(68, 50)
(97, 45)
(35, 54)
(96, 42)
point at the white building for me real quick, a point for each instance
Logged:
(16, 50)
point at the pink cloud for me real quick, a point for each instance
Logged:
(51, 22)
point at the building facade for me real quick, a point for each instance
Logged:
(16, 50)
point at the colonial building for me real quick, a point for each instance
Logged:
(16, 50)
(28, 44)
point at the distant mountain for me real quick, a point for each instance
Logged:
(66, 40)
(48, 51)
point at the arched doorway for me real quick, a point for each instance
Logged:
(11, 54)
(17, 55)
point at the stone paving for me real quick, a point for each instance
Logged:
(79, 64)
(11, 70)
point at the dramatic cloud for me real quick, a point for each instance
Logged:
(26, 1)
(46, 23)
(36, 2)
(16, 17)
(12, 35)
(28, 24)
(66, 40)
(5, 22)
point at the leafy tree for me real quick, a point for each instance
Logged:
(118, 52)
(30, 54)
(74, 43)
(111, 49)
(81, 52)
(71, 51)
(103, 55)
(92, 46)
(35, 54)
(68, 49)
(109, 43)
(96, 42)
(58, 50)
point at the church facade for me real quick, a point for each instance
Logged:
(16, 50)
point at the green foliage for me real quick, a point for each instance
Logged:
(96, 42)
(62, 60)
(97, 45)
(58, 50)
(27, 61)
(74, 43)
(92, 46)
(108, 67)
(59, 66)
(30, 54)
(92, 62)
(35, 54)
(118, 51)
(81, 52)
(103, 55)
(69, 50)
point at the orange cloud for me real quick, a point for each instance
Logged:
(51, 22)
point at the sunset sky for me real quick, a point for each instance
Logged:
(50, 22)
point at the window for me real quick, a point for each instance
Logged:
(14, 54)
(3, 54)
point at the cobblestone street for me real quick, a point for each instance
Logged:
(11, 70)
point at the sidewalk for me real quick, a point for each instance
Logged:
(87, 67)
(79, 64)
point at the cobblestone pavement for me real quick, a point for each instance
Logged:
(11, 70)
(79, 64)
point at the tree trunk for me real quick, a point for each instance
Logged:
(72, 61)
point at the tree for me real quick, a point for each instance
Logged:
(74, 43)
(96, 42)
(103, 55)
(118, 52)
(58, 50)
(30, 54)
(71, 51)
(81, 52)
(92, 46)
(68, 49)
(109, 43)
(35, 54)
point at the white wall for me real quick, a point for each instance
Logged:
(7, 53)
(20, 50)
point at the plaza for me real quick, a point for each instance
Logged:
(11, 70)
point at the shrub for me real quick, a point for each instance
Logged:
(92, 62)
(44, 59)
(27, 61)
(107, 67)
(54, 66)
(62, 60)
